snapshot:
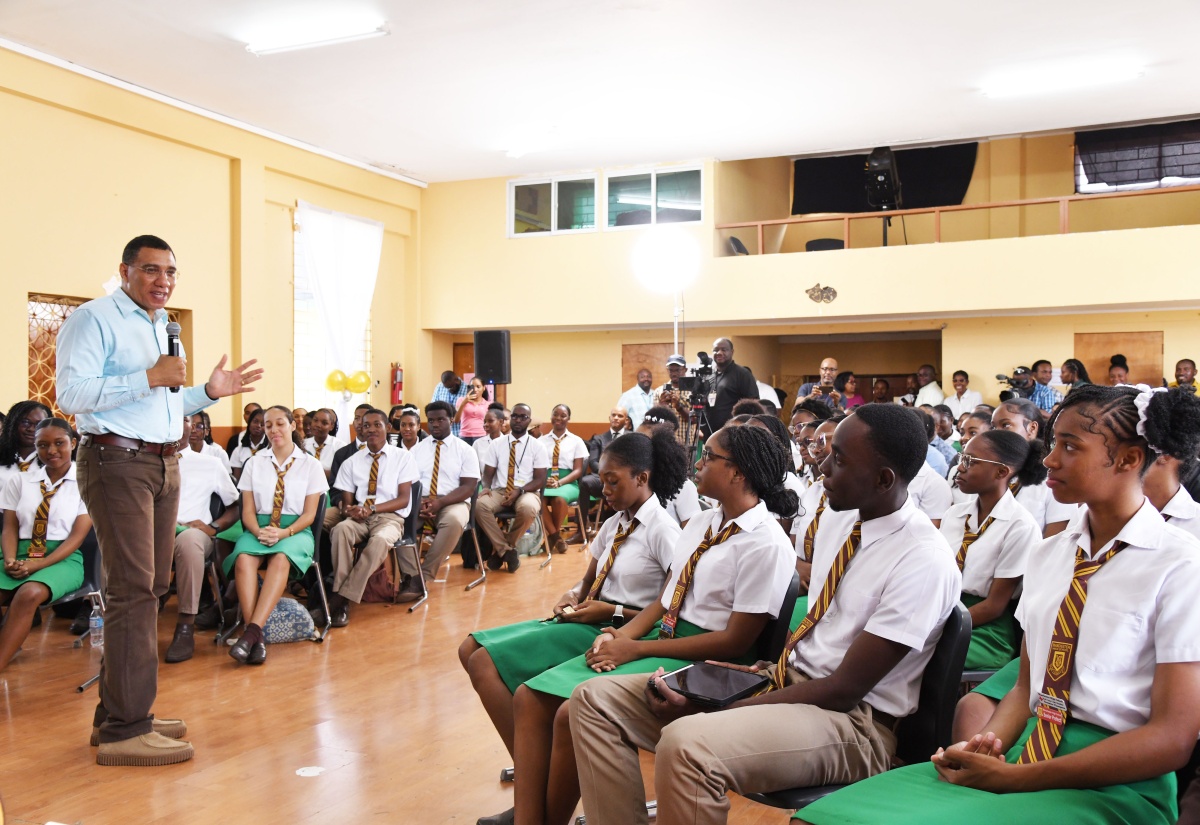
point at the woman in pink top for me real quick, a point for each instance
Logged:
(847, 385)
(471, 409)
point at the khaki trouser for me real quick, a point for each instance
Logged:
(527, 507)
(699, 758)
(448, 529)
(380, 532)
(133, 499)
(193, 549)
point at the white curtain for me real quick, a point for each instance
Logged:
(341, 261)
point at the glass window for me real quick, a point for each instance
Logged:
(532, 205)
(629, 200)
(576, 204)
(678, 196)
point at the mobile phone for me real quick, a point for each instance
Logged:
(825, 389)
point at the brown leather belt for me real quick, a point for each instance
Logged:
(885, 720)
(111, 440)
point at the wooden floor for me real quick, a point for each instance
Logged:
(381, 713)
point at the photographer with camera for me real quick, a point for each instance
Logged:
(673, 395)
(729, 384)
(823, 390)
(1020, 385)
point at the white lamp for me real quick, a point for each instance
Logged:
(666, 260)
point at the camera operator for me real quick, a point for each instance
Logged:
(730, 383)
(1020, 385)
(823, 390)
(673, 396)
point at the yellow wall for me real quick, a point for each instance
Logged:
(87, 166)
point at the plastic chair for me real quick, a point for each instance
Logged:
(921, 733)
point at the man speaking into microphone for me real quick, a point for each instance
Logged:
(119, 373)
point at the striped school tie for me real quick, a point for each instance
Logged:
(1054, 700)
(277, 502)
(512, 467)
(970, 538)
(622, 534)
(816, 611)
(684, 584)
(37, 547)
(317, 454)
(24, 466)
(810, 532)
(433, 481)
(372, 479)
(557, 444)
(1014, 487)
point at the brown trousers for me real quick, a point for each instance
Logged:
(133, 499)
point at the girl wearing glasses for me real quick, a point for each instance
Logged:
(200, 439)
(1106, 702)
(991, 537)
(17, 451)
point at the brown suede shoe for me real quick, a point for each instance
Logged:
(149, 750)
(170, 728)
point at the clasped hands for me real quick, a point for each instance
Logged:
(23, 568)
(977, 763)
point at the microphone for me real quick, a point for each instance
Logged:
(173, 348)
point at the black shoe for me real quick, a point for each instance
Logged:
(411, 590)
(341, 615)
(183, 645)
(209, 618)
(506, 818)
(241, 650)
(318, 616)
(79, 625)
(513, 559)
(495, 561)
(258, 654)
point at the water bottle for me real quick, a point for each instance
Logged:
(96, 627)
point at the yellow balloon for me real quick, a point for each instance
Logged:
(359, 382)
(335, 381)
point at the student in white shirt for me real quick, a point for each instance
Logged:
(492, 420)
(813, 505)
(1170, 494)
(845, 682)
(962, 400)
(931, 493)
(374, 512)
(201, 477)
(324, 441)
(777, 428)
(512, 484)
(685, 504)
(992, 536)
(281, 488)
(638, 473)
(42, 560)
(1023, 417)
(17, 451)
(568, 460)
(444, 508)
(1132, 710)
(251, 443)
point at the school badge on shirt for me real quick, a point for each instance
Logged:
(1060, 660)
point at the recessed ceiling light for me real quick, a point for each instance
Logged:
(311, 34)
(1061, 76)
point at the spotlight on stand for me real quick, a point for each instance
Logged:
(883, 183)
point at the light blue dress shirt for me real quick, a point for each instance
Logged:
(104, 349)
(636, 403)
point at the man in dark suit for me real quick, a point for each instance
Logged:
(589, 485)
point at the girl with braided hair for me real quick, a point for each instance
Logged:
(17, 451)
(1106, 704)
(730, 570)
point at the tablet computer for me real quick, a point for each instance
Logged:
(713, 685)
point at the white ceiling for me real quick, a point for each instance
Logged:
(458, 83)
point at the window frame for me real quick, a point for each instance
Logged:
(653, 172)
(554, 181)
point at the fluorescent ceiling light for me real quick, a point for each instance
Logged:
(1061, 76)
(314, 33)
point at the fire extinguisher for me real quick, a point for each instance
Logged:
(397, 384)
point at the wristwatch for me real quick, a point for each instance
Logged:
(618, 617)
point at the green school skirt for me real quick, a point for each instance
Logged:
(567, 492)
(523, 650)
(61, 577)
(229, 534)
(914, 794)
(798, 613)
(993, 645)
(1001, 682)
(297, 548)
(561, 680)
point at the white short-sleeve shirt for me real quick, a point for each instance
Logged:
(457, 461)
(748, 573)
(1183, 512)
(900, 585)
(531, 455)
(483, 451)
(303, 478)
(644, 560)
(200, 476)
(810, 502)
(14, 469)
(1141, 611)
(1042, 505)
(328, 449)
(241, 454)
(686, 503)
(396, 467)
(1001, 552)
(213, 450)
(23, 494)
(570, 448)
(930, 492)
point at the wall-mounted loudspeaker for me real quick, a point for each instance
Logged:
(493, 361)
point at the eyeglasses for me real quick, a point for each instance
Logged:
(154, 271)
(708, 455)
(967, 460)
(818, 444)
(828, 369)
